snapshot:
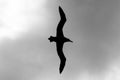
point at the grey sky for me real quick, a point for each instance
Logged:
(93, 26)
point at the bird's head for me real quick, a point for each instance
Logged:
(51, 39)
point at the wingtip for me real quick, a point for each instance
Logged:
(60, 8)
(60, 71)
(62, 65)
(62, 14)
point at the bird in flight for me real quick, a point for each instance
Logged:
(60, 40)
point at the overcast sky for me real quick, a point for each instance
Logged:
(92, 25)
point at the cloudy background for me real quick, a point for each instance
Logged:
(26, 53)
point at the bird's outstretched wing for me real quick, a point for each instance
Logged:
(61, 56)
(61, 23)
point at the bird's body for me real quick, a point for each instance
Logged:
(60, 40)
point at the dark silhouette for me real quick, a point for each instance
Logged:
(60, 40)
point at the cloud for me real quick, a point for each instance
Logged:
(19, 16)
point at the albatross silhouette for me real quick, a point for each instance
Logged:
(60, 40)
